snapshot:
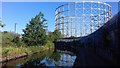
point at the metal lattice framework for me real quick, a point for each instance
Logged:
(81, 18)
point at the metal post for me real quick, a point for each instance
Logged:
(15, 27)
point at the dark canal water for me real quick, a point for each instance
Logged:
(47, 59)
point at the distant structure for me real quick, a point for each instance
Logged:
(1, 23)
(81, 18)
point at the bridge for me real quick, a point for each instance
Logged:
(101, 48)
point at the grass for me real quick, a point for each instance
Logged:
(14, 50)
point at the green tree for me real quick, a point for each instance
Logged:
(57, 34)
(50, 36)
(35, 31)
(54, 35)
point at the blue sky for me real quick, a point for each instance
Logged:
(22, 12)
(55, 0)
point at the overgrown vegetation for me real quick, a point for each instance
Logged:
(11, 39)
(14, 51)
(54, 35)
(32, 40)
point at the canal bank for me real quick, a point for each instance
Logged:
(20, 61)
(9, 56)
(48, 58)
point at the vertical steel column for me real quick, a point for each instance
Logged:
(110, 16)
(59, 19)
(98, 15)
(71, 26)
(68, 19)
(83, 21)
(91, 17)
(63, 21)
(104, 14)
(15, 27)
(75, 22)
(67, 22)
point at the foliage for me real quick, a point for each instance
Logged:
(54, 35)
(18, 41)
(50, 36)
(14, 50)
(71, 37)
(57, 34)
(35, 32)
(7, 38)
(11, 45)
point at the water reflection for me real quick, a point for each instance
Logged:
(46, 59)
(60, 59)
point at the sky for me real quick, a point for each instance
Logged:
(55, 0)
(22, 12)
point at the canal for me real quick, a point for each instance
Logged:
(45, 59)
